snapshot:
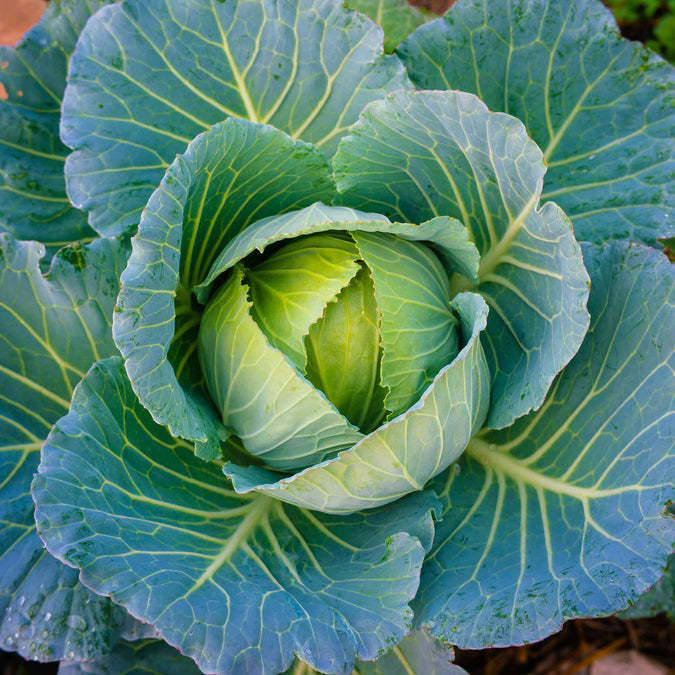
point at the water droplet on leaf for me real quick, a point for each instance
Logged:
(77, 622)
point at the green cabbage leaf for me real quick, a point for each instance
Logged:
(322, 380)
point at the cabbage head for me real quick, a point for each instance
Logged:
(336, 341)
(326, 359)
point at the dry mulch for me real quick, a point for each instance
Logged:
(608, 646)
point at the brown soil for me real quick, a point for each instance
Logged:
(16, 17)
(588, 647)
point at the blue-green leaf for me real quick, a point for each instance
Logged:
(149, 75)
(659, 599)
(33, 200)
(417, 653)
(403, 454)
(53, 328)
(398, 18)
(422, 155)
(563, 514)
(230, 176)
(600, 107)
(238, 583)
(141, 657)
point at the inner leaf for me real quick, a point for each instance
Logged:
(263, 399)
(291, 288)
(344, 354)
(419, 329)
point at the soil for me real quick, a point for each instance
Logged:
(17, 16)
(610, 646)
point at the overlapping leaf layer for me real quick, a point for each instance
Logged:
(564, 513)
(239, 583)
(267, 508)
(599, 106)
(53, 329)
(262, 61)
(33, 200)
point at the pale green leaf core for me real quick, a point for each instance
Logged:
(316, 304)
(276, 413)
(344, 355)
(290, 288)
(363, 317)
(419, 330)
(404, 453)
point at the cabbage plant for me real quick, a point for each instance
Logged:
(320, 358)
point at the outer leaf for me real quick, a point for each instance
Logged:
(562, 515)
(659, 599)
(397, 17)
(448, 236)
(237, 583)
(402, 455)
(33, 201)
(230, 176)
(419, 155)
(600, 107)
(143, 657)
(53, 328)
(418, 652)
(264, 61)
